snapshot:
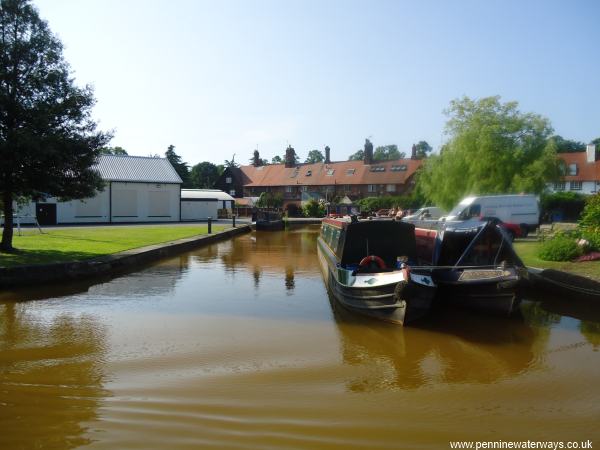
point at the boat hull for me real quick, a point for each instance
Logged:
(275, 225)
(397, 302)
(495, 296)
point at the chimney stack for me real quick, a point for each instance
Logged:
(290, 157)
(327, 155)
(413, 155)
(590, 151)
(368, 159)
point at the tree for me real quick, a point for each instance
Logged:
(567, 145)
(358, 156)
(257, 161)
(276, 160)
(387, 153)
(48, 140)
(182, 168)
(493, 149)
(423, 149)
(204, 175)
(315, 156)
(231, 163)
(113, 151)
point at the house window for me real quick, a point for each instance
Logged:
(372, 188)
(308, 173)
(576, 185)
(400, 168)
(390, 188)
(288, 189)
(572, 169)
(330, 172)
(559, 186)
(347, 187)
(228, 180)
(377, 169)
(232, 192)
(350, 171)
(304, 188)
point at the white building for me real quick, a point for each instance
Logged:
(137, 189)
(200, 204)
(582, 172)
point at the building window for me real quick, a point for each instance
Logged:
(228, 180)
(347, 187)
(400, 168)
(390, 188)
(350, 171)
(308, 173)
(559, 186)
(288, 189)
(372, 188)
(377, 169)
(576, 185)
(304, 188)
(330, 172)
(572, 169)
(232, 192)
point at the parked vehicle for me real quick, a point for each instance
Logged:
(523, 210)
(367, 266)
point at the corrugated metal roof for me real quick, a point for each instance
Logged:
(137, 169)
(205, 193)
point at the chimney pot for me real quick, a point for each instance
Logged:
(327, 155)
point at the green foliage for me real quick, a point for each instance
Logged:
(48, 139)
(276, 160)
(387, 153)
(204, 175)
(570, 204)
(315, 156)
(590, 218)
(423, 149)
(179, 165)
(493, 149)
(358, 156)
(562, 247)
(231, 162)
(113, 151)
(376, 203)
(313, 208)
(567, 145)
(269, 200)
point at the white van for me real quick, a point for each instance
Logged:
(523, 210)
(427, 212)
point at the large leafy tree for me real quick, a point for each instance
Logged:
(315, 156)
(182, 168)
(204, 175)
(387, 152)
(113, 151)
(358, 156)
(493, 148)
(567, 145)
(48, 140)
(423, 149)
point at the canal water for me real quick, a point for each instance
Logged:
(238, 345)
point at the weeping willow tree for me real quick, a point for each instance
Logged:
(493, 148)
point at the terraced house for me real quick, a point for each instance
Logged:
(325, 180)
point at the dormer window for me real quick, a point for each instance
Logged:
(330, 172)
(377, 169)
(350, 171)
(400, 168)
(308, 173)
(573, 169)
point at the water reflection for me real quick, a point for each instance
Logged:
(452, 347)
(51, 378)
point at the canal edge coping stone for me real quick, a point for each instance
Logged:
(109, 264)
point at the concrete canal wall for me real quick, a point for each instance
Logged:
(110, 264)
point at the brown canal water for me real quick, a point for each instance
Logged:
(238, 345)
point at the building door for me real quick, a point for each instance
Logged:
(46, 213)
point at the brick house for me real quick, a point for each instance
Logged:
(325, 180)
(582, 172)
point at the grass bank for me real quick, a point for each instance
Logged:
(76, 244)
(528, 251)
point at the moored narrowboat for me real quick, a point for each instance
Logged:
(269, 221)
(473, 265)
(367, 265)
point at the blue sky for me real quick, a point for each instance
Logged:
(217, 78)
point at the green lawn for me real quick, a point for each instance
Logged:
(528, 251)
(75, 244)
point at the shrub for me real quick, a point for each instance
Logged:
(560, 248)
(590, 218)
(569, 204)
(313, 208)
